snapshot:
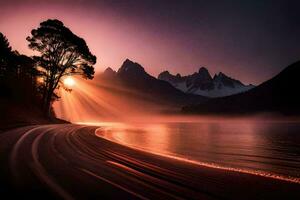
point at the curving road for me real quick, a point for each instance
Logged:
(71, 162)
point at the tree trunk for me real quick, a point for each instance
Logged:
(47, 105)
(47, 101)
(48, 108)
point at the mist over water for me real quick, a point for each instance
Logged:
(259, 146)
(257, 143)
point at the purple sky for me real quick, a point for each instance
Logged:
(248, 40)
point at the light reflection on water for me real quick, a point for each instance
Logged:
(264, 146)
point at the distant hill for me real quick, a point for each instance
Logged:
(202, 83)
(279, 94)
(132, 78)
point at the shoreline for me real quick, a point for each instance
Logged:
(205, 164)
(72, 159)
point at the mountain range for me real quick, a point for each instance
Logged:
(202, 83)
(132, 78)
(279, 94)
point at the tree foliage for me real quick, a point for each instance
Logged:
(61, 53)
(18, 75)
(5, 54)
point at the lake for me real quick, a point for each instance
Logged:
(255, 146)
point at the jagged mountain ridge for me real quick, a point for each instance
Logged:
(202, 83)
(279, 95)
(133, 76)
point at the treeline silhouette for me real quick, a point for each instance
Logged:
(34, 81)
(18, 76)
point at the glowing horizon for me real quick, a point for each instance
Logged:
(163, 41)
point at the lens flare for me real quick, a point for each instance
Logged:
(69, 82)
(95, 100)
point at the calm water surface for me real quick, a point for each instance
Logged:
(272, 147)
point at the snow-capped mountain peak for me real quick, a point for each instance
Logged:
(202, 83)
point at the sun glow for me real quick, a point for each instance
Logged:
(94, 101)
(69, 82)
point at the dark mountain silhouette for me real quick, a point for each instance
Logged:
(133, 77)
(279, 94)
(202, 83)
(109, 73)
(202, 80)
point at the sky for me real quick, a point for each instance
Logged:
(248, 40)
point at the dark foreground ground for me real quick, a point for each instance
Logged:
(70, 162)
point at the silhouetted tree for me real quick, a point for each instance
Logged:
(62, 53)
(18, 75)
(11, 62)
(26, 67)
(5, 54)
